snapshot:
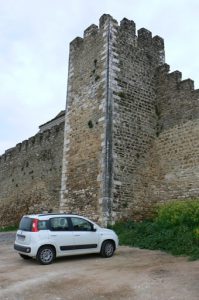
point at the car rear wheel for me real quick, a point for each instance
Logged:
(46, 255)
(25, 256)
(107, 249)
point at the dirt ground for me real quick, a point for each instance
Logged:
(130, 274)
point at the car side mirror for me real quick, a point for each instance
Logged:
(94, 228)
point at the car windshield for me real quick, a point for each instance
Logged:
(25, 224)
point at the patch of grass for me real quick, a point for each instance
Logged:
(174, 230)
(8, 228)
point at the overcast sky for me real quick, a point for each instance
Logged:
(34, 38)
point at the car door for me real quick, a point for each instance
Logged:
(61, 236)
(86, 239)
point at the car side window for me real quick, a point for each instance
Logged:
(43, 225)
(59, 224)
(81, 224)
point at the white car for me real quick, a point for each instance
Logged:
(47, 236)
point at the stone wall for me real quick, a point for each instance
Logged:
(135, 119)
(30, 176)
(177, 150)
(174, 157)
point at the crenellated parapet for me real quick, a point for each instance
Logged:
(128, 26)
(177, 100)
(91, 30)
(76, 43)
(33, 142)
(105, 19)
(142, 39)
(173, 79)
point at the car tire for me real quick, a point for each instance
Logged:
(46, 255)
(25, 256)
(107, 249)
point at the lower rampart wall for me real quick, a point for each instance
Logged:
(30, 176)
(178, 153)
(172, 170)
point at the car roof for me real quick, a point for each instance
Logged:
(48, 215)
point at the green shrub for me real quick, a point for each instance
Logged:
(179, 213)
(175, 230)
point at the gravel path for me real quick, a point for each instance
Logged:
(7, 237)
(131, 274)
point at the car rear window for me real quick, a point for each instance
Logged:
(26, 224)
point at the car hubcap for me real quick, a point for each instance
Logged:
(46, 255)
(109, 249)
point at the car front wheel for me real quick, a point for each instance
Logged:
(107, 249)
(46, 255)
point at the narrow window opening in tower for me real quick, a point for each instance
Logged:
(90, 124)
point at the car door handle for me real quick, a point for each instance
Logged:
(77, 234)
(53, 235)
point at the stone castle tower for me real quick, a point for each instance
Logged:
(111, 117)
(125, 116)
